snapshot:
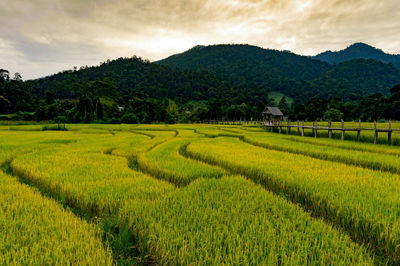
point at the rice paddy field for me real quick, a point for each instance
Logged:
(196, 195)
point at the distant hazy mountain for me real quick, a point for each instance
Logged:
(357, 51)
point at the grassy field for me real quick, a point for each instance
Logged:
(195, 195)
(277, 97)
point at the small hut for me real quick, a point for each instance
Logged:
(272, 116)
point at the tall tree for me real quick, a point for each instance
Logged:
(283, 106)
(172, 112)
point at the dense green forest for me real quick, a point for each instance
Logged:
(128, 90)
(215, 82)
(251, 66)
(351, 80)
(296, 76)
(357, 51)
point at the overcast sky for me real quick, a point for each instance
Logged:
(41, 37)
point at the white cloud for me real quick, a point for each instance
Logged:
(52, 35)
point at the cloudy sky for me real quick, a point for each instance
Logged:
(40, 37)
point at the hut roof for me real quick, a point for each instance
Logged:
(273, 111)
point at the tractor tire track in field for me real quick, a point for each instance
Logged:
(142, 133)
(138, 163)
(139, 131)
(305, 205)
(132, 160)
(187, 129)
(120, 240)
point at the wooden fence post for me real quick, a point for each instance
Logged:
(313, 127)
(359, 130)
(330, 130)
(376, 135)
(302, 129)
(298, 127)
(342, 129)
(316, 129)
(390, 132)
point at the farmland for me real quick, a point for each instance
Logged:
(195, 194)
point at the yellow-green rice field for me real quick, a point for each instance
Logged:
(196, 194)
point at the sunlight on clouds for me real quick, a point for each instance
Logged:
(9, 55)
(57, 32)
(286, 43)
(303, 4)
(159, 44)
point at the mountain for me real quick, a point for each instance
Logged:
(136, 77)
(230, 73)
(219, 81)
(354, 79)
(358, 51)
(250, 66)
(296, 76)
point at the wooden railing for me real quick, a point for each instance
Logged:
(315, 128)
(299, 125)
(231, 122)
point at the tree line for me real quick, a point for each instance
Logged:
(154, 97)
(374, 107)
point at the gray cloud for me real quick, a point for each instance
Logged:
(40, 37)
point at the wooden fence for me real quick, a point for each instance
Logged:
(315, 128)
(235, 122)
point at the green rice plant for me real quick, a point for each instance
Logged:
(246, 128)
(373, 160)
(85, 178)
(187, 133)
(166, 162)
(142, 141)
(92, 183)
(37, 231)
(232, 221)
(363, 202)
(214, 132)
(366, 135)
(362, 154)
(27, 127)
(347, 145)
(210, 221)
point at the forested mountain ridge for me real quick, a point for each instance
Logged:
(206, 82)
(146, 92)
(298, 76)
(358, 51)
(250, 65)
(233, 73)
(354, 79)
(134, 76)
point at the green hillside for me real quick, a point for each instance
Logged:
(352, 80)
(358, 51)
